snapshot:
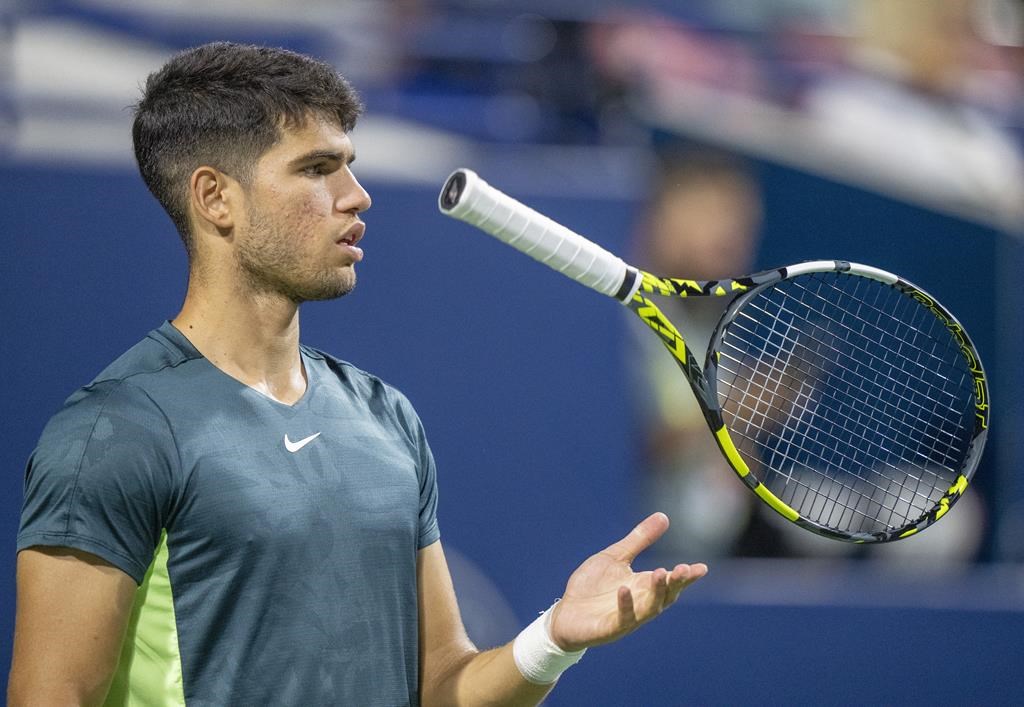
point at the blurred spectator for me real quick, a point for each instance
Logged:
(900, 112)
(702, 222)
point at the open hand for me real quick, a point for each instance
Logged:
(605, 599)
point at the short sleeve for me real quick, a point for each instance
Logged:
(429, 530)
(101, 479)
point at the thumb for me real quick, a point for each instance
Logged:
(640, 538)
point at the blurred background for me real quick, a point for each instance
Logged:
(700, 139)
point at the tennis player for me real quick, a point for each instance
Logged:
(225, 516)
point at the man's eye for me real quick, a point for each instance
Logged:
(316, 170)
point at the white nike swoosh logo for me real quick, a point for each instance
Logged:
(296, 446)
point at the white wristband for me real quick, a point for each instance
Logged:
(538, 658)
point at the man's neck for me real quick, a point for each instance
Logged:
(253, 338)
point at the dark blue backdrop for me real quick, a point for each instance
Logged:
(517, 375)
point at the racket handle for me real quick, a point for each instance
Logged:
(467, 197)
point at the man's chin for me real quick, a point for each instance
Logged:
(330, 290)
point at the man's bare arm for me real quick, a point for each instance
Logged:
(452, 671)
(72, 610)
(603, 601)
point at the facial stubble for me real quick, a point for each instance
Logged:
(270, 259)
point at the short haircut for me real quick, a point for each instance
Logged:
(224, 105)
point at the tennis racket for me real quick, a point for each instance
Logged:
(846, 398)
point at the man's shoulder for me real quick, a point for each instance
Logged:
(123, 383)
(119, 394)
(157, 351)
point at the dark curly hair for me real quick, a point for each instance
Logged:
(224, 105)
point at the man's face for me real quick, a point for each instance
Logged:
(299, 233)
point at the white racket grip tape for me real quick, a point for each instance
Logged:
(467, 197)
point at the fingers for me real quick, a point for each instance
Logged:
(640, 538)
(653, 596)
(665, 588)
(681, 577)
(627, 610)
(659, 587)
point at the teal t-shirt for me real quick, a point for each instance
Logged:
(275, 546)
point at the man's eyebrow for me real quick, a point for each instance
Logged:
(347, 158)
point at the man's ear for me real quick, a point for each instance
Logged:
(213, 196)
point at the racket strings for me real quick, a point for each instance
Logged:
(800, 419)
(901, 324)
(774, 389)
(790, 449)
(915, 346)
(813, 364)
(850, 398)
(859, 484)
(922, 403)
(915, 402)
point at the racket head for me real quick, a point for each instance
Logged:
(852, 402)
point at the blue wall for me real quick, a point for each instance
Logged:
(516, 374)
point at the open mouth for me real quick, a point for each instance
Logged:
(353, 235)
